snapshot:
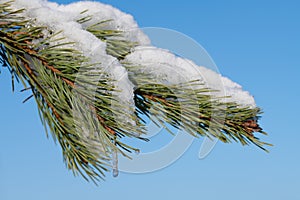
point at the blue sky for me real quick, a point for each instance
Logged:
(255, 43)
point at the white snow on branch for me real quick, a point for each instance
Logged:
(167, 68)
(47, 14)
(102, 12)
(160, 64)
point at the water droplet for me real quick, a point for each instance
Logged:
(137, 151)
(115, 172)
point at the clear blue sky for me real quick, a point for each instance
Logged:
(255, 43)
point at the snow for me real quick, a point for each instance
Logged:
(47, 14)
(167, 68)
(102, 12)
(230, 88)
(161, 65)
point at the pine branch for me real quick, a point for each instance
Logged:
(46, 64)
(117, 46)
(196, 111)
(77, 101)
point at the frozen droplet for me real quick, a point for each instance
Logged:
(115, 172)
(137, 151)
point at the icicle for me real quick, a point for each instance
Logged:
(115, 163)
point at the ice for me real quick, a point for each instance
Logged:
(115, 163)
(137, 151)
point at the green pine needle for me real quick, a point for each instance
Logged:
(80, 116)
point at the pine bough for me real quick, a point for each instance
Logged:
(95, 77)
